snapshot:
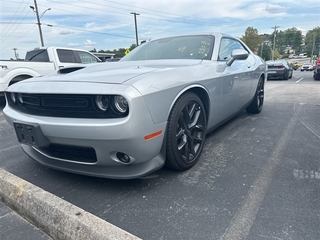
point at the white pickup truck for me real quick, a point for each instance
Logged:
(40, 62)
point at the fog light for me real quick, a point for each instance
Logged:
(124, 158)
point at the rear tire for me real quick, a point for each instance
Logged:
(316, 76)
(257, 103)
(186, 132)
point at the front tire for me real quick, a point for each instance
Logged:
(257, 103)
(186, 132)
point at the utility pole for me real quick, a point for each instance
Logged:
(135, 24)
(274, 40)
(35, 9)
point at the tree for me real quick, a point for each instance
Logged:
(312, 42)
(293, 37)
(265, 51)
(252, 38)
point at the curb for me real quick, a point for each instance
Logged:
(53, 215)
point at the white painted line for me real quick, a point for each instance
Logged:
(299, 80)
(242, 221)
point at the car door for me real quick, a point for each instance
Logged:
(236, 79)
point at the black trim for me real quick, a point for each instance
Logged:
(62, 105)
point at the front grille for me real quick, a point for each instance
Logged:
(71, 153)
(60, 105)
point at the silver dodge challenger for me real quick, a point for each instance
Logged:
(129, 118)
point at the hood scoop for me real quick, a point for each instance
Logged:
(69, 70)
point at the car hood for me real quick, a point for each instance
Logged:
(114, 72)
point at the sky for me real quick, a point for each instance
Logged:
(109, 25)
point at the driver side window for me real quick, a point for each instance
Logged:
(227, 45)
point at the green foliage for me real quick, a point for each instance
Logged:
(292, 37)
(265, 51)
(119, 53)
(251, 38)
(312, 42)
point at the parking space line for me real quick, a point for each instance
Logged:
(242, 221)
(299, 80)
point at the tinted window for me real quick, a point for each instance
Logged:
(66, 56)
(40, 55)
(86, 57)
(227, 45)
(185, 47)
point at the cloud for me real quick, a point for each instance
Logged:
(73, 44)
(272, 8)
(89, 43)
(89, 25)
(65, 32)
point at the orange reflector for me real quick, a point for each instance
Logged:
(153, 135)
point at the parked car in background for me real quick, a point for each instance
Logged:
(152, 108)
(41, 61)
(280, 69)
(306, 67)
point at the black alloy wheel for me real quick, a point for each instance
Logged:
(186, 132)
(257, 103)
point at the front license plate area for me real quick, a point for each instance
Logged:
(30, 134)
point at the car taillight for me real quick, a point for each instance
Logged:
(280, 67)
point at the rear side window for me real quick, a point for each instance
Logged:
(86, 57)
(66, 56)
(40, 55)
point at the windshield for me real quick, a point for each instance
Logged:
(184, 47)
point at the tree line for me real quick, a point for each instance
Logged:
(289, 41)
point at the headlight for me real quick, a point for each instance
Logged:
(102, 102)
(20, 98)
(120, 104)
(13, 97)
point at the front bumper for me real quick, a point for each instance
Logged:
(106, 136)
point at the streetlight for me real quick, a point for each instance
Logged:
(135, 24)
(35, 9)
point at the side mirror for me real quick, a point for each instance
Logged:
(238, 54)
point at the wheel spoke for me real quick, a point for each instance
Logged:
(186, 152)
(194, 118)
(179, 134)
(181, 139)
(186, 116)
(192, 110)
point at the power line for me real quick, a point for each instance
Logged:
(4, 32)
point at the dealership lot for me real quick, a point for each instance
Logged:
(258, 177)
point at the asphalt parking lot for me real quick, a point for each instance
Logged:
(258, 177)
